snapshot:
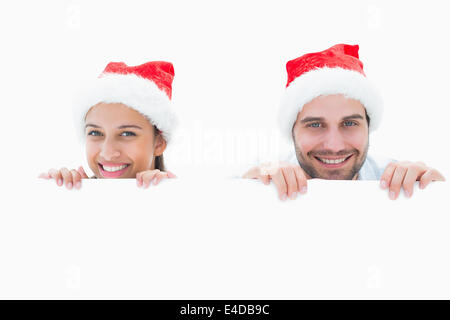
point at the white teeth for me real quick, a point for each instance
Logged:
(332, 161)
(113, 169)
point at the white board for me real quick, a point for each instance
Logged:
(223, 239)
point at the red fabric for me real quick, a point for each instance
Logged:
(159, 72)
(341, 55)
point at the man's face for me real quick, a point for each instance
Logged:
(331, 137)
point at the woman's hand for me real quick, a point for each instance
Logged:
(144, 178)
(71, 178)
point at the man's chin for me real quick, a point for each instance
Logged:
(343, 173)
(338, 177)
(335, 175)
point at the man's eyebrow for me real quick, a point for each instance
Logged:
(120, 127)
(310, 119)
(353, 116)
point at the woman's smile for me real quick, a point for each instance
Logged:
(113, 170)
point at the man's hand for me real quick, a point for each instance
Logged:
(63, 176)
(144, 178)
(288, 178)
(398, 174)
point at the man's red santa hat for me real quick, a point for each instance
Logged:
(336, 70)
(147, 88)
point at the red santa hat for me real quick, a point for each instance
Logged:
(147, 88)
(336, 70)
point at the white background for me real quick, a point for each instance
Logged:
(229, 59)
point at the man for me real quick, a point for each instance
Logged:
(328, 110)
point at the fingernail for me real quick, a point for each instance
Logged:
(407, 194)
(303, 190)
(392, 195)
(383, 184)
(69, 185)
(283, 196)
(78, 185)
(59, 182)
(293, 195)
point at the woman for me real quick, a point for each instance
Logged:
(126, 122)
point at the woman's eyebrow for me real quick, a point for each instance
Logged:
(91, 125)
(129, 126)
(120, 127)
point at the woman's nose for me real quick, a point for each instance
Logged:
(109, 150)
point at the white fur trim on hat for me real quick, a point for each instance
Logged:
(328, 81)
(136, 92)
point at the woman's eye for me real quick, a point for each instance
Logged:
(94, 133)
(127, 134)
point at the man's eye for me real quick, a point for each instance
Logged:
(94, 133)
(349, 123)
(127, 134)
(314, 125)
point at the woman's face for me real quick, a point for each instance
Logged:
(120, 142)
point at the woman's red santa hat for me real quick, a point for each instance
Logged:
(336, 70)
(147, 88)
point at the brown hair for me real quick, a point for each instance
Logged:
(159, 160)
(367, 117)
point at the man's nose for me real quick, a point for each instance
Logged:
(334, 141)
(110, 150)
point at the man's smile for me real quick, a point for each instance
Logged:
(333, 162)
